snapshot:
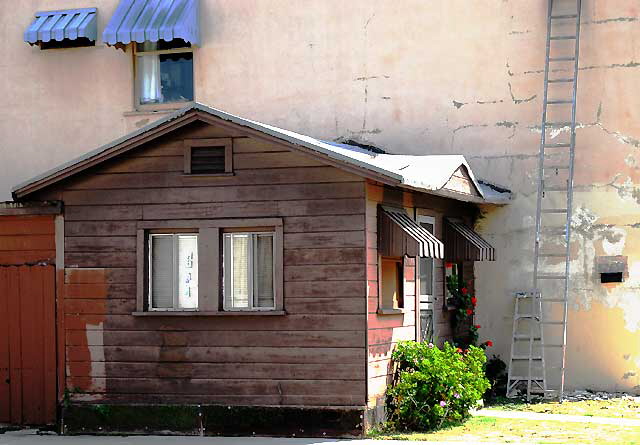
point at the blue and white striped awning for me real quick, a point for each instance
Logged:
(153, 20)
(59, 25)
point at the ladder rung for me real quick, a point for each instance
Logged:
(553, 211)
(518, 377)
(564, 16)
(561, 59)
(552, 255)
(552, 300)
(553, 345)
(557, 124)
(555, 167)
(558, 145)
(550, 276)
(562, 80)
(559, 101)
(562, 37)
(525, 337)
(527, 316)
(525, 357)
(555, 189)
(557, 323)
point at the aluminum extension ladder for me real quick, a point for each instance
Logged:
(538, 355)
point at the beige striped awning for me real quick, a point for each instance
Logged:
(464, 244)
(400, 235)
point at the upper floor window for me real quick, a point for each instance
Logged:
(164, 74)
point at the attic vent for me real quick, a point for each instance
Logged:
(207, 160)
(208, 156)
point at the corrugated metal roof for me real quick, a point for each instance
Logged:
(427, 173)
(153, 20)
(64, 24)
(428, 245)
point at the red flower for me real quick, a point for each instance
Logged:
(474, 300)
(477, 326)
(448, 264)
(489, 343)
(464, 291)
(459, 351)
(469, 312)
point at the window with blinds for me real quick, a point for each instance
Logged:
(173, 271)
(248, 271)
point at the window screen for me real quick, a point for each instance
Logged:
(248, 271)
(173, 271)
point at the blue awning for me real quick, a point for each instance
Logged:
(153, 20)
(59, 25)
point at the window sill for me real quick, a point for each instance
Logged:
(205, 313)
(148, 112)
(389, 311)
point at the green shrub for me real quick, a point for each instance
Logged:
(434, 386)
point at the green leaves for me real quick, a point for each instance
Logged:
(433, 385)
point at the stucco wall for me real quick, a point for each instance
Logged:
(445, 76)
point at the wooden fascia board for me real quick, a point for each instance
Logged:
(119, 149)
(360, 171)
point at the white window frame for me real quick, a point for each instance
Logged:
(227, 264)
(136, 81)
(176, 284)
(428, 299)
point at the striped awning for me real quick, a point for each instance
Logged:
(400, 235)
(464, 244)
(153, 20)
(59, 25)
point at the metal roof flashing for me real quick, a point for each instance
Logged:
(428, 173)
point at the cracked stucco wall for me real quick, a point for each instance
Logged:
(444, 76)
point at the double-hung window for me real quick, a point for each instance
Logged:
(214, 267)
(163, 74)
(173, 271)
(248, 271)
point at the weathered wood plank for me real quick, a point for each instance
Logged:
(317, 322)
(102, 213)
(132, 180)
(220, 354)
(324, 289)
(325, 305)
(243, 161)
(248, 209)
(305, 224)
(338, 272)
(324, 239)
(328, 339)
(100, 228)
(100, 244)
(26, 225)
(100, 259)
(284, 192)
(342, 371)
(300, 257)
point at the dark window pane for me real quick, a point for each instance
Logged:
(176, 77)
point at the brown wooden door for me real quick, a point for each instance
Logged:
(27, 345)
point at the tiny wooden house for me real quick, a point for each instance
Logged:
(210, 261)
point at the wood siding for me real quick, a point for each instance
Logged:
(313, 356)
(27, 239)
(385, 330)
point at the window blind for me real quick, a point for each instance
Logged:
(162, 283)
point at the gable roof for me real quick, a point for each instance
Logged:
(428, 173)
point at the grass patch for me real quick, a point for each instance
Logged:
(623, 407)
(491, 429)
